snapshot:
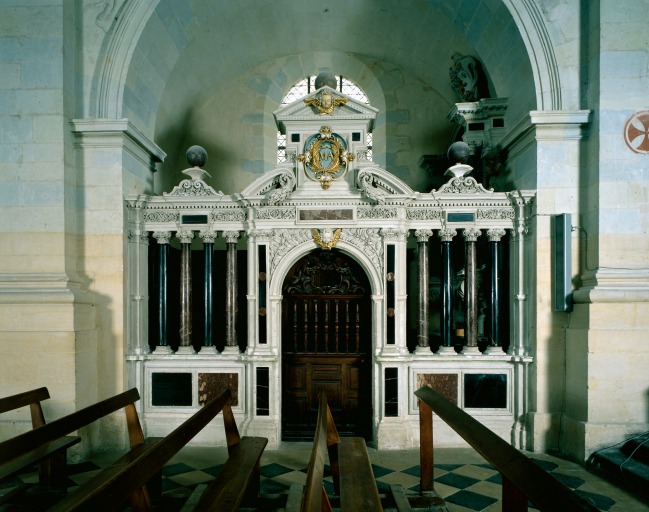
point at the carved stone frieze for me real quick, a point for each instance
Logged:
(495, 214)
(376, 212)
(463, 185)
(161, 216)
(275, 213)
(229, 215)
(423, 214)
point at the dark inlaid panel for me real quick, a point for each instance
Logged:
(211, 384)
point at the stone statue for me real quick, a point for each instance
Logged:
(465, 77)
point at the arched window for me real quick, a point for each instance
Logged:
(304, 87)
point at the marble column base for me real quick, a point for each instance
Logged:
(493, 351)
(423, 351)
(163, 349)
(208, 350)
(230, 350)
(472, 351)
(446, 351)
(185, 350)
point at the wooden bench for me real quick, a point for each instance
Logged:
(351, 469)
(51, 458)
(127, 477)
(14, 452)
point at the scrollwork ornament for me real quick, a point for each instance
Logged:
(463, 185)
(495, 214)
(365, 182)
(284, 185)
(275, 214)
(375, 212)
(368, 241)
(229, 215)
(423, 214)
(284, 240)
(161, 216)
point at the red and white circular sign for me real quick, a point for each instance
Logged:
(636, 132)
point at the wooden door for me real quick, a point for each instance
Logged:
(326, 345)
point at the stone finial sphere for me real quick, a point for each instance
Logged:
(459, 152)
(325, 78)
(196, 156)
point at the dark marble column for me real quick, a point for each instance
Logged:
(446, 235)
(494, 236)
(470, 287)
(422, 236)
(231, 285)
(185, 330)
(208, 285)
(162, 238)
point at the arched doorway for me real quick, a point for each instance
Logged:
(326, 344)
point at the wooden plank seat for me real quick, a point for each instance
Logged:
(49, 457)
(351, 469)
(41, 438)
(127, 477)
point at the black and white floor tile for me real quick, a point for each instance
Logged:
(465, 481)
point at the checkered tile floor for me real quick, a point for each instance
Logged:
(462, 478)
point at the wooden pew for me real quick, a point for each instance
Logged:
(350, 466)
(14, 452)
(51, 458)
(523, 480)
(113, 486)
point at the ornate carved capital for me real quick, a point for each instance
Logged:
(394, 235)
(185, 236)
(260, 235)
(471, 234)
(495, 234)
(162, 237)
(422, 235)
(138, 236)
(446, 234)
(231, 237)
(208, 236)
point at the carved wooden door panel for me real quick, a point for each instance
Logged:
(326, 345)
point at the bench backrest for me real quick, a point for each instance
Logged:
(27, 441)
(32, 398)
(134, 475)
(324, 446)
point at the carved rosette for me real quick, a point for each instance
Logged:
(208, 236)
(185, 236)
(446, 234)
(495, 234)
(162, 237)
(471, 234)
(231, 237)
(422, 235)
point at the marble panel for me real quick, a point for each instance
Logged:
(446, 384)
(211, 384)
